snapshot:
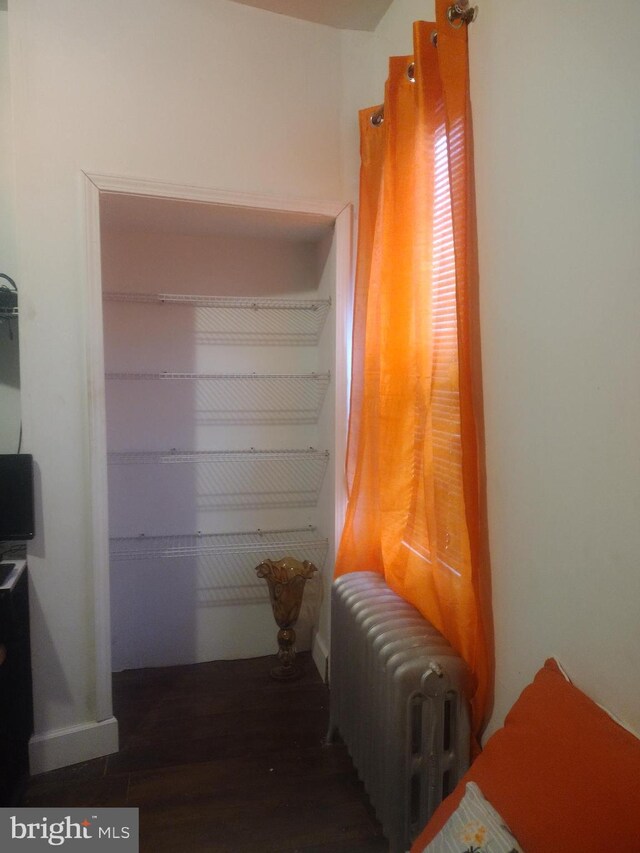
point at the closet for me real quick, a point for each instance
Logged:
(220, 359)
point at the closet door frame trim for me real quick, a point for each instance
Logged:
(94, 184)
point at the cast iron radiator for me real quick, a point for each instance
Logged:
(398, 701)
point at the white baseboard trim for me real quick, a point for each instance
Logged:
(320, 655)
(61, 747)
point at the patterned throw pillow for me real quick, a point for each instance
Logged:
(474, 827)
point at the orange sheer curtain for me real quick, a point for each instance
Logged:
(416, 510)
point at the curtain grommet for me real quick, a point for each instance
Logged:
(411, 72)
(377, 118)
(461, 13)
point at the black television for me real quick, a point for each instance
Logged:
(17, 521)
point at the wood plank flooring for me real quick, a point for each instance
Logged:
(219, 757)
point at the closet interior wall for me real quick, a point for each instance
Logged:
(209, 476)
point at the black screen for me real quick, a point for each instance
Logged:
(16, 496)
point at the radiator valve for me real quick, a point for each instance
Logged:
(435, 668)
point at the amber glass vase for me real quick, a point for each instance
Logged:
(286, 579)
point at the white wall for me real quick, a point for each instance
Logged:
(557, 124)
(9, 358)
(558, 175)
(9, 386)
(204, 93)
(365, 64)
(7, 238)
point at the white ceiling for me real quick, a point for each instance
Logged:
(343, 14)
(124, 212)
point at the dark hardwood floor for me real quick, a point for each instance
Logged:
(219, 757)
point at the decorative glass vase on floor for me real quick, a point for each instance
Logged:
(286, 579)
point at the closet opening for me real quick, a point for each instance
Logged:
(220, 346)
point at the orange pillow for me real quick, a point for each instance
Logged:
(561, 773)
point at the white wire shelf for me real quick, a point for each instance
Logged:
(238, 398)
(218, 544)
(243, 319)
(236, 479)
(227, 377)
(223, 564)
(176, 456)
